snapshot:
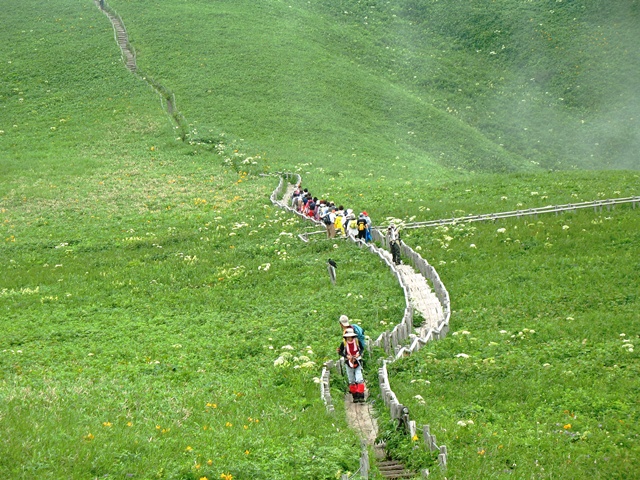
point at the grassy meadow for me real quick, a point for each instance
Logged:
(149, 285)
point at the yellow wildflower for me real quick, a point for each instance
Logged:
(567, 426)
(188, 449)
(106, 424)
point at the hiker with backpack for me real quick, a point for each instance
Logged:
(351, 349)
(339, 223)
(350, 223)
(361, 225)
(311, 207)
(329, 220)
(345, 323)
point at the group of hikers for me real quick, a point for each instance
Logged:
(340, 221)
(337, 220)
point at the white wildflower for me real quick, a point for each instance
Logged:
(280, 362)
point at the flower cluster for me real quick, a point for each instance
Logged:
(287, 358)
(626, 343)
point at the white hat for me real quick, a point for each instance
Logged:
(349, 333)
(344, 320)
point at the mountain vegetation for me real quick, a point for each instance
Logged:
(162, 320)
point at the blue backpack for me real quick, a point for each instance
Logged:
(359, 331)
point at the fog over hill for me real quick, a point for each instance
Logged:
(554, 82)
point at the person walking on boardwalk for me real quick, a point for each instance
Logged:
(350, 223)
(367, 233)
(339, 223)
(351, 349)
(362, 227)
(329, 220)
(393, 237)
(346, 323)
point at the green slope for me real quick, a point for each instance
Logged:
(546, 83)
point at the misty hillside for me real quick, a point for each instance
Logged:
(482, 86)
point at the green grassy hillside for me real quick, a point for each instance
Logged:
(150, 285)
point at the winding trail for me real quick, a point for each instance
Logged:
(421, 295)
(168, 99)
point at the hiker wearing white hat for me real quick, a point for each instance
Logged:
(351, 349)
(346, 323)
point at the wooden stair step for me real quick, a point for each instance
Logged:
(403, 474)
(393, 469)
